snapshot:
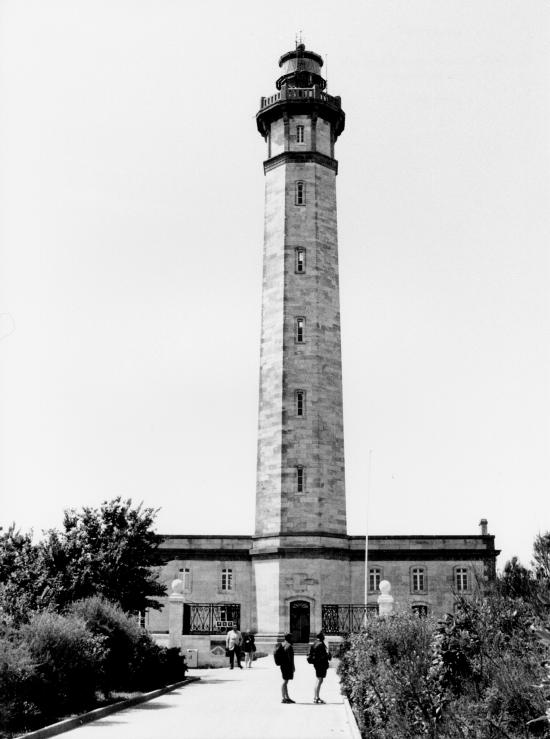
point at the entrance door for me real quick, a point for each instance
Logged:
(299, 620)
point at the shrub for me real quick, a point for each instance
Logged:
(17, 685)
(386, 673)
(67, 659)
(153, 666)
(476, 674)
(132, 660)
(489, 656)
(120, 636)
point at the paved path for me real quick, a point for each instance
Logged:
(232, 704)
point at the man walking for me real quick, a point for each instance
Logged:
(233, 646)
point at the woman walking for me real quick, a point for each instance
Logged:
(284, 658)
(319, 657)
(249, 647)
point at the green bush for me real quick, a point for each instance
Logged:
(132, 660)
(56, 665)
(475, 675)
(18, 684)
(153, 666)
(68, 660)
(120, 636)
(491, 662)
(386, 674)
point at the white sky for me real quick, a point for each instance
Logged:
(131, 240)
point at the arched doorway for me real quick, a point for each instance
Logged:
(299, 620)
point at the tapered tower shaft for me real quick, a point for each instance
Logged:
(300, 475)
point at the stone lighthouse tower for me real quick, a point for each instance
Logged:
(301, 572)
(300, 493)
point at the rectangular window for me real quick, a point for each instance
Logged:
(227, 579)
(299, 134)
(417, 579)
(230, 616)
(300, 326)
(300, 260)
(300, 193)
(185, 577)
(300, 402)
(461, 579)
(420, 610)
(375, 575)
(300, 479)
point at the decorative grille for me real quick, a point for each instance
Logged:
(345, 619)
(213, 618)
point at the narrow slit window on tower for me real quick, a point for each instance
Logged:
(300, 193)
(300, 402)
(299, 134)
(300, 260)
(300, 479)
(300, 330)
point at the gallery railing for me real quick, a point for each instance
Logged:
(292, 93)
(210, 618)
(345, 619)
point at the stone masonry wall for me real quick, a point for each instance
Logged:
(316, 440)
(269, 472)
(439, 592)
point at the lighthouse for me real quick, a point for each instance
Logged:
(300, 491)
(300, 571)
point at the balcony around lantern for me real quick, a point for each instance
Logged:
(300, 93)
(300, 100)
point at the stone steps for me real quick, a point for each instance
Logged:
(301, 648)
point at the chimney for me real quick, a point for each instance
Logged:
(483, 526)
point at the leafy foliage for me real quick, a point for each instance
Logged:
(108, 551)
(17, 684)
(541, 556)
(59, 664)
(490, 658)
(111, 551)
(66, 656)
(120, 639)
(132, 660)
(516, 580)
(23, 586)
(387, 675)
(477, 673)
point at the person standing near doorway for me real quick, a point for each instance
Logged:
(233, 646)
(319, 657)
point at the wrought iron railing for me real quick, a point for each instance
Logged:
(210, 618)
(345, 619)
(299, 92)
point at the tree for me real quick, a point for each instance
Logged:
(541, 556)
(516, 580)
(111, 551)
(23, 586)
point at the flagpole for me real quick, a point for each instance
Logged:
(369, 475)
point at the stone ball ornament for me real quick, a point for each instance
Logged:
(385, 587)
(177, 587)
